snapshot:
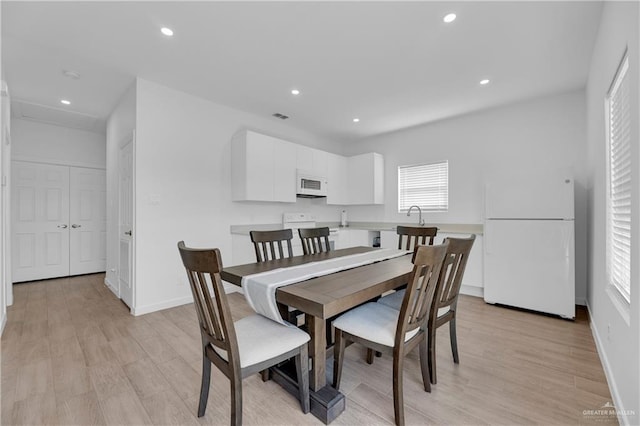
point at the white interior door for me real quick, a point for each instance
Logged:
(88, 221)
(40, 218)
(125, 191)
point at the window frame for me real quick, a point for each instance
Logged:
(424, 208)
(621, 290)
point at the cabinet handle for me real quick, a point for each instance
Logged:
(128, 233)
(62, 226)
(74, 226)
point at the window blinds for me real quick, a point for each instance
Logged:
(619, 214)
(424, 185)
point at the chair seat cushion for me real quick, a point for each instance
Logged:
(394, 300)
(374, 322)
(260, 339)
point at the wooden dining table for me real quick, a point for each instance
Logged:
(324, 297)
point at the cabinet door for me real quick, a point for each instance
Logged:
(337, 186)
(259, 167)
(388, 239)
(320, 161)
(304, 158)
(284, 171)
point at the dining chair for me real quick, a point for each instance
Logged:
(415, 235)
(268, 245)
(243, 348)
(314, 240)
(445, 301)
(381, 328)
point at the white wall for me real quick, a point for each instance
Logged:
(538, 134)
(183, 186)
(617, 329)
(120, 127)
(40, 142)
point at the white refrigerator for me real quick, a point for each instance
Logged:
(529, 251)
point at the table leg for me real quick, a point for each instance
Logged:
(317, 352)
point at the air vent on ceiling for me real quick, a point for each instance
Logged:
(280, 116)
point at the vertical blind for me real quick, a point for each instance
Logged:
(619, 208)
(424, 185)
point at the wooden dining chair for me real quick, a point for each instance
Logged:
(314, 240)
(445, 301)
(238, 349)
(381, 328)
(270, 245)
(414, 235)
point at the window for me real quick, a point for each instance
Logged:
(618, 119)
(424, 185)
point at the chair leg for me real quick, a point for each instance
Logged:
(454, 340)
(236, 399)
(369, 356)
(398, 400)
(338, 355)
(302, 370)
(204, 385)
(424, 365)
(431, 342)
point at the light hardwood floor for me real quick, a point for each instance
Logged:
(72, 354)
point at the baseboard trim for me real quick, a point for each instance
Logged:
(613, 388)
(147, 309)
(111, 287)
(3, 323)
(471, 290)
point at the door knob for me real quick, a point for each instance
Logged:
(75, 226)
(128, 233)
(62, 226)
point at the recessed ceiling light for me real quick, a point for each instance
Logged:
(65, 102)
(485, 81)
(166, 31)
(356, 120)
(295, 92)
(449, 18)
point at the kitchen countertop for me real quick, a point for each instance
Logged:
(449, 228)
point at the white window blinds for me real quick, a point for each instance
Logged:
(619, 182)
(424, 185)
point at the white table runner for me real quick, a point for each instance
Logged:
(260, 289)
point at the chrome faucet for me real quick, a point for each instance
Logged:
(420, 220)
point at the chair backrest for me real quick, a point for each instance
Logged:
(455, 262)
(265, 244)
(216, 324)
(314, 240)
(415, 236)
(421, 288)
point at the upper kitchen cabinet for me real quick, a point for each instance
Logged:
(337, 186)
(365, 177)
(312, 160)
(263, 168)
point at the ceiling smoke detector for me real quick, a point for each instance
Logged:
(280, 116)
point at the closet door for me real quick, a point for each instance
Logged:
(87, 221)
(40, 221)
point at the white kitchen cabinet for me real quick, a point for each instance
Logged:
(388, 239)
(262, 168)
(337, 187)
(365, 179)
(311, 160)
(354, 238)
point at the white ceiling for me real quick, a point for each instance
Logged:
(392, 64)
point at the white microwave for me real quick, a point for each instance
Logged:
(309, 185)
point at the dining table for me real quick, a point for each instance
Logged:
(324, 297)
